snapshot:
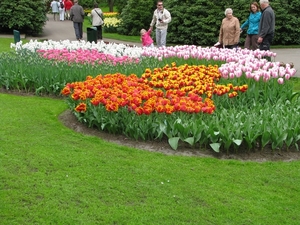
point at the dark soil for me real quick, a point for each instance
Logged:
(70, 121)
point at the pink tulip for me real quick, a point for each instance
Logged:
(231, 75)
(238, 73)
(287, 76)
(281, 71)
(256, 77)
(280, 80)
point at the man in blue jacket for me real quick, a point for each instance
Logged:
(266, 26)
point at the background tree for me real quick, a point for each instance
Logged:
(136, 14)
(111, 5)
(120, 5)
(198, 21)
(27, 16)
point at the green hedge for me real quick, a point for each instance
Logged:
(26, 16)
(198, 21)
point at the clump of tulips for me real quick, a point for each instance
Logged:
(165, 90)
(221, 99)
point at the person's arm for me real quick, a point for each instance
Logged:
(71, 14)
(266, 23)
(82, 12)
(237, 31)
(167, 17)
(153, 21)
(246, 24)
(221, 34)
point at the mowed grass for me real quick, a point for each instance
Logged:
(50, 174)
(6, 42)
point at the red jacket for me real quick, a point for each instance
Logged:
(68, 4)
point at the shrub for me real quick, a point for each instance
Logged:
(198, 21)
(27, 16)
(135, 16)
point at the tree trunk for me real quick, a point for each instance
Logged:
(110, 5)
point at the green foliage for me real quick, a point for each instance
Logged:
(198, 21)
(287, 26)
(136, 15)
(27, 16)
(120, 5)
(87, 4)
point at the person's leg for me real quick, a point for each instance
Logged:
(76, 28)
(69, 14)
(158, 37)
(99, 32)
(265, 45)
(80, 30)
(163, 37)
(62, 15)
(254, 44)
(229, 46)
(247, 41)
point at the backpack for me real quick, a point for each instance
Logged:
(61, 5)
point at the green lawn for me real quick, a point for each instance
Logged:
(50, 174)
(5, 44)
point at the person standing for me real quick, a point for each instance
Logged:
(252, 23)
(68, 5)
(266, 26)
(230, 30)
(77, 16)
(55, 6)
(97, 20)
(161, 18)
(61, 10)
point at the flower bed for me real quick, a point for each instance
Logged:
(111, 24)
(221, 99)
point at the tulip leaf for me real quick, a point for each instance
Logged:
(295, 95)
(265, 138)
(215, 146)
(297, 147)
(173, 142)
(189, 140)
(237, 142)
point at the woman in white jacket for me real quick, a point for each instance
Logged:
(97, 20)
(61, 10)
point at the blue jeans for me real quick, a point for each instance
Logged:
(78, 30)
